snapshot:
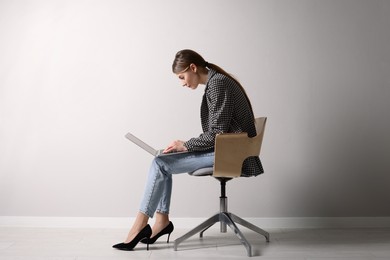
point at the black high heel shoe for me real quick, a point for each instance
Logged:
(143, 235)
(167, 230)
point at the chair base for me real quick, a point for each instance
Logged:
(225, 218)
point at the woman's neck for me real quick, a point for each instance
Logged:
(203, 78)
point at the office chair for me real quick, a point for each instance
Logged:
(230, 152)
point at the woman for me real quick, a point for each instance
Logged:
(225, 108)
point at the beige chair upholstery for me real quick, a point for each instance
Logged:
(230, 152)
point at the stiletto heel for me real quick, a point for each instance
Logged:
(143, 235)
(167, 230)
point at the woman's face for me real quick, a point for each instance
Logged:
(188, 77)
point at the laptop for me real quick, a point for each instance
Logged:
(148, 148)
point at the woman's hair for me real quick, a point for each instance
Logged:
(184, 58)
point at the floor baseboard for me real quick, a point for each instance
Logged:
(270, 223)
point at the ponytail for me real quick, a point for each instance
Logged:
(222, 71)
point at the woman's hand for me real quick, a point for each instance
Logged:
(175, 146)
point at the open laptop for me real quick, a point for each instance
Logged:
(147, 147)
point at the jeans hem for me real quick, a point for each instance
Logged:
(146, 213)
(162, 212)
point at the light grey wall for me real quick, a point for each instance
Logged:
(77, 75)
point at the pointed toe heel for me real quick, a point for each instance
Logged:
(143, 236)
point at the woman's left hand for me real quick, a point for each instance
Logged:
(175, 146)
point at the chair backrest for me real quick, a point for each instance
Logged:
(260, 123)
(232, 149)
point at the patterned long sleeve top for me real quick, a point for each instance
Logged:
(225, 109)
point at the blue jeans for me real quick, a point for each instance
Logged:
(158, 190)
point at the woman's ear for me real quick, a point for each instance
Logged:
(193, 67)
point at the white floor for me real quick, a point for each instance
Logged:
(302, 244)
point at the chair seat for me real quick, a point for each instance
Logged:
(202, 172)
